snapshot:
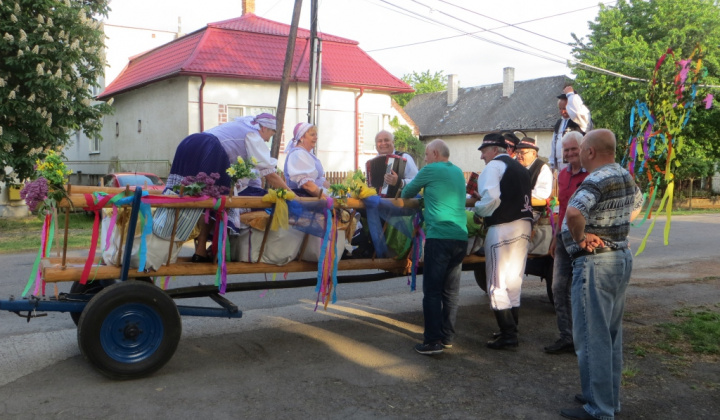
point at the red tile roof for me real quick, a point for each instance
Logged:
(253, 48)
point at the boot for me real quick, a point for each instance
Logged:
(516, 316)
(508, 330)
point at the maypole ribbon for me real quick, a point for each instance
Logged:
(279, 197)
(658, 126)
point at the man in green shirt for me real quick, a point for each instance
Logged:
(445, 244)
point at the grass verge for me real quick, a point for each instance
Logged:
(23, 234)
(699, 329)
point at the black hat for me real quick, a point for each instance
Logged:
(527, 143)
(511, 140)
(493, 139)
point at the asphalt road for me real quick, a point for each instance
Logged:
(42, 356)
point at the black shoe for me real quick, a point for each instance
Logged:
(429, 349)
(576, 413)
(579, 398)
(446, 344)
(560, 346)
(200, 259)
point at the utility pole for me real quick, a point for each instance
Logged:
(285, 83)
(313, 61)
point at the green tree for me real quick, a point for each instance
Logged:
(629, 38)
(424, 82)
(405, 140)
(51, 54)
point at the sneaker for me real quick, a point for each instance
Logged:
(560, 346)
(429, 349)
(446, 344)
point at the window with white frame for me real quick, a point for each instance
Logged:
(94, 143)
(234, 111)
(372, 123)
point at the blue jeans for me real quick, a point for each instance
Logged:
(598, 303)
(441, 285)
(562, 282)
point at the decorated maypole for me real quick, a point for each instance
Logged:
(658, 130)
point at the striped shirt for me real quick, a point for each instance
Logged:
(606, 199)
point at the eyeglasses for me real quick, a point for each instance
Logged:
(527, 152)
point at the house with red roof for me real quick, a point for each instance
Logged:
(234, 68)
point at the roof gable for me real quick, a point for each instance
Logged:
(482, 109)
(253, 48)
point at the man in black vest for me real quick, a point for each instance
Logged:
(504, 190)
(541, 177)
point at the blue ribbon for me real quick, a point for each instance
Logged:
(375, 226)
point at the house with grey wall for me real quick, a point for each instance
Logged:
(463, 116)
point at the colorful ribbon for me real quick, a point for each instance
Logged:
(278, 197)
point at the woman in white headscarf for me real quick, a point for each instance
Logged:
(304, 173)
(213, 151)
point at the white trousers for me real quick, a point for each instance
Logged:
(506, 247)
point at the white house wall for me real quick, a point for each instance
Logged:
(465, 154)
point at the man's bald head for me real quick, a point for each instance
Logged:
(598, 149)
(603, 141)
(437, 151)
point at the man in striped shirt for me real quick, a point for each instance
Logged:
(595, 234)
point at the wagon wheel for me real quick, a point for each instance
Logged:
(93, 288)
(129, 330)
(90, 288)
(481, 277)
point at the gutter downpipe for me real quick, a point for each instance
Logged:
(201, 99)
(357, 127)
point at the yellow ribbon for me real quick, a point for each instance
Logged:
(280, 216)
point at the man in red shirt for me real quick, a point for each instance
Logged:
(569, 178)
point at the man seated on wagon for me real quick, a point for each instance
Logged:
(385, 146)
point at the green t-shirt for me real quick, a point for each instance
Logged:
(444, 185)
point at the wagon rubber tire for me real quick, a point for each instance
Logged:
(92, 288)
(129, 330)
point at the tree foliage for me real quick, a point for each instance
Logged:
(424, 82)
(51, 54)
(406, 141)
(629, 38)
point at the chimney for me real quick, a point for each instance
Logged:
(508, 81)
(452, 89)
(248, 6)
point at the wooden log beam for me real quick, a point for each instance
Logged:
(53, 272)
(78, 200)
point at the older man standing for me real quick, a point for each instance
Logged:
(595, 234)
(445, 244)
(569, 179)
(541, 177)
(504, 189)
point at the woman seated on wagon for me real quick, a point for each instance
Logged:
(304, 173)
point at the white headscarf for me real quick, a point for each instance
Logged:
(266, 120)
(298, 132)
